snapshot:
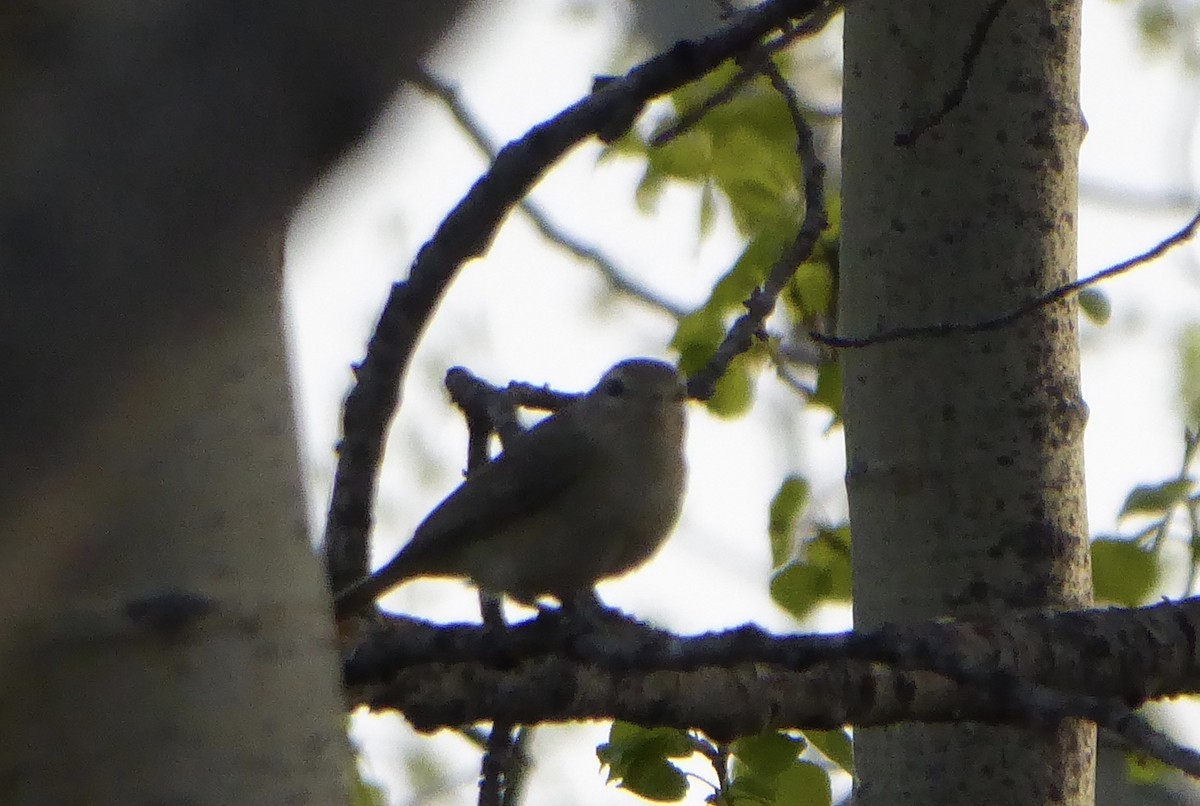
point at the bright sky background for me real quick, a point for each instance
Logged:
(529, 311)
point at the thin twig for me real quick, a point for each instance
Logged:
(752, 66)
(954, 97)
(762, 300)
(1154, 743)
(494, 764)
(1193, 513)
(498, 756)
(617, 279)
(518, 767)
(720, 762)
(1111, 714)
(803, 353)
(785, 374)
(690, 117)
(1141, 200)
(1185, 234)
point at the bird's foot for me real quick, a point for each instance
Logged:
(585, 609)
(491, 611)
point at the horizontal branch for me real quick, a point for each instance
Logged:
(723, 703)
(552, 668)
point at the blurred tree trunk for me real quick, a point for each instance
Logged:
(964, 452)
(165, 636)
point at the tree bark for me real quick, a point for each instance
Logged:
(964, 451)
(165, 633)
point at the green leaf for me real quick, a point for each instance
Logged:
(1156, 499)
(837, 746)
(810, 291)
(698, 334)
(749, 790)
(1158, 22)
(626, 737)
(364, 794)
(691, 96)
(659, 781)
(829, 389)
(630, 144)
(735, 391)
(786, 507)
(803, 784)
(756, 129)
(822, 574)
(696, 338)
(687, 157)
(637, 758)
(758, 187)
(1189, 374)
(649, 190)
(831, 550)
(1122, 571)
(767, 769)
(1144, 770)
(767, 754)
(708, 208)
(745, 148)
(799, 587)
(750, 270)
(1095, 305)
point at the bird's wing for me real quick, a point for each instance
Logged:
(528, 476)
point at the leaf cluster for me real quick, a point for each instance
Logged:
(1126, 569)
(777, 767)
(741, 155)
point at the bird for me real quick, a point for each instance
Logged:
(590, 492)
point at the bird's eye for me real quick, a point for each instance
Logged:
(614, 387)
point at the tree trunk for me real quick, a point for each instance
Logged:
(165, 636)
(131, 691)
(964, 451)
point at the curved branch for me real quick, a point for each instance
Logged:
(466, 233)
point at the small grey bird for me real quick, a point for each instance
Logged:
(588, 493)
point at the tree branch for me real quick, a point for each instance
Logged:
(1183, 235)
(1030, 669)
(617, 279)
(762, 300)
(466, 233)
